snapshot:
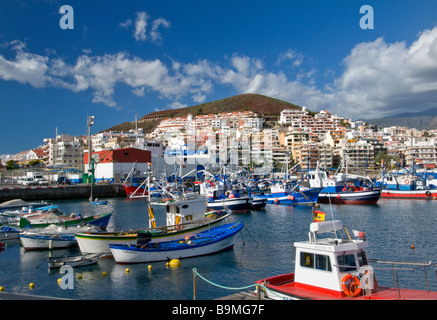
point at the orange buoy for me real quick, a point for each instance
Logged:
(412, 246)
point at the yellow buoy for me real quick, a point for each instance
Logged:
(2, 289)
(31, 285)
(103, 273)
(59, 281)
(175, 263)
(79, 276)
(149, 267)
(127, 270)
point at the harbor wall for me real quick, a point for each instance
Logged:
(79, 191)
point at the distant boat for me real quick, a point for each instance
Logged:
(220, 197)
(52, 237)
(46, 219)
(74, 261)
(289, 193)
(406, 186)
(18, 204)
(208, 242)
(99, 202)
(9, 233)
(342, 188)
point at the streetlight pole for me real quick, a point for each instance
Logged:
(90, 122)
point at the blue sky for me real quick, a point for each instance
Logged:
(127, 58)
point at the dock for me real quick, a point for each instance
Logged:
(60, 192)
(242, 296)
(20, 296)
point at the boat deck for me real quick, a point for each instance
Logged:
(381, 293)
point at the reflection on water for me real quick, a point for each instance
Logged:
(264, 248)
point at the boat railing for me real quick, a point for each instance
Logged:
(409, 266)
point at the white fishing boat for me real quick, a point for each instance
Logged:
(333, 265)
(186, 215)
(74, 261)
(9, 233)
(52, 237)
(208, 242)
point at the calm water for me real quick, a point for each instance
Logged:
(264, 249)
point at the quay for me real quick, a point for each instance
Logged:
(55, 192)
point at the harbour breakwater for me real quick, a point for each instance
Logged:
(79, 191)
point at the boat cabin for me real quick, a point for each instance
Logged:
(331, 183)
(283, 188)
(402, 182)
(187, 208)
(322, 263)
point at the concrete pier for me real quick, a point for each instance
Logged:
(79, 191)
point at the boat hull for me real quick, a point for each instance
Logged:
(305, 197)
(354, 197)
(98, 221)
(129, 254)
(409, 194)
(98, 243)
(283, 287)
(42, 242)
(234, 204)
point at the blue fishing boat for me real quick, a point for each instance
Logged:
(342, 188)
(289, 193)
(220, 196)
(211, 241)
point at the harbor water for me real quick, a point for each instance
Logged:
(264, 248)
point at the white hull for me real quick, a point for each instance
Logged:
(33, 243)
(129, 256)
(99, 243)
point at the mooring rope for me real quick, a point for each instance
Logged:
(232, 288)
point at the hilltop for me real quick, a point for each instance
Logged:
(268, 108)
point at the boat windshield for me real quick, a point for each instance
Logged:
(346, 262)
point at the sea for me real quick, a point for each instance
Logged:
(397, 230)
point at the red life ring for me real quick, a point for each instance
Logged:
(331, 177)
(406, 181)
(351, 285)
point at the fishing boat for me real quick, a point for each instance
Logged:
(406, 186)
(45, 219)
(289, 193)
(74, 261)
(208, 242)
(9, 233)
(52, 237)
(99, 202)
(19, 204)
(186, 215)
(47, 241)
(342, 188)
(334, 267)
(219, 197)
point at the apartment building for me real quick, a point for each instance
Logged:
(64, 150)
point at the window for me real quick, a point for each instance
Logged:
(346, 263)
(315, 261)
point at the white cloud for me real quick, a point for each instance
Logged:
(141, 26)
(378, 78)
(154, 33)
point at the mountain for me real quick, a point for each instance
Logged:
(423, 120)
(268, 108)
